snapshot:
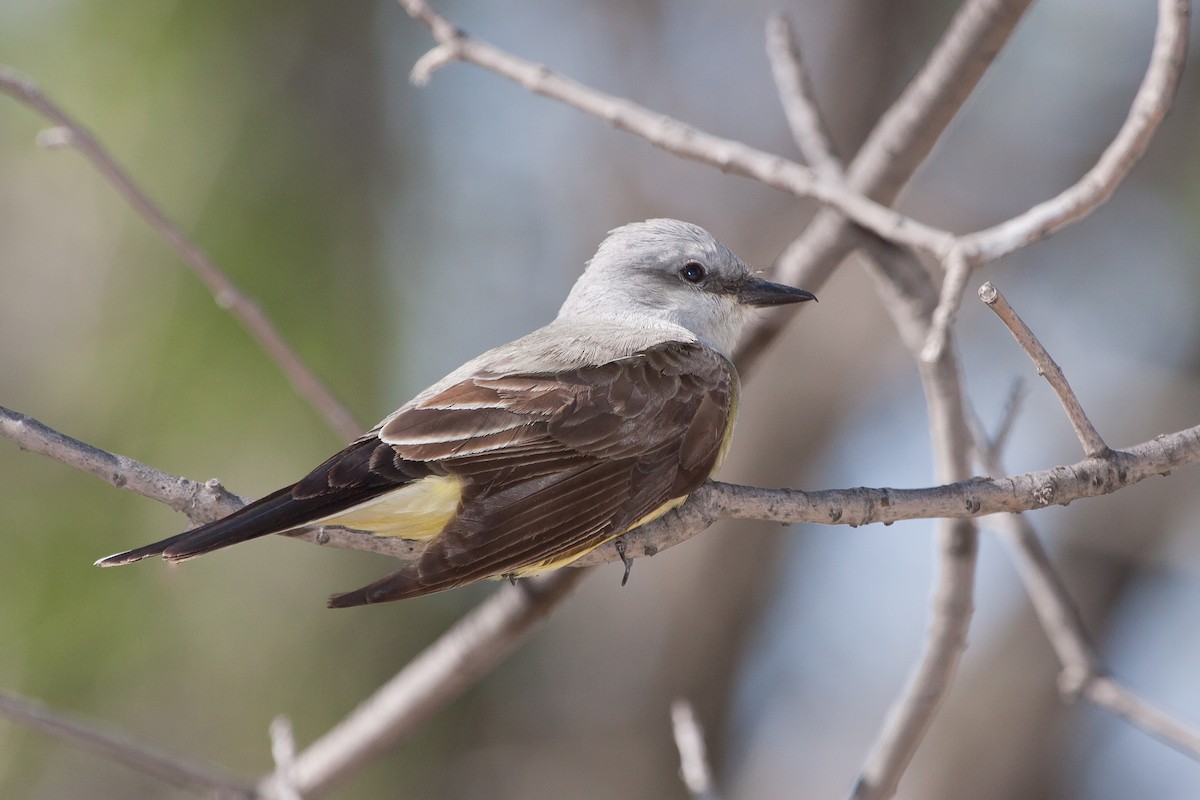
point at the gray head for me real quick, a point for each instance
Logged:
(663, 271)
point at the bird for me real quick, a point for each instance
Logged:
(541, 450)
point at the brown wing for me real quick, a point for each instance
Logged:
(555, 464)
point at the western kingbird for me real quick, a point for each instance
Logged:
(541, 450)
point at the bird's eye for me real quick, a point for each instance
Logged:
(693, 272)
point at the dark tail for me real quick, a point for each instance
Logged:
(278, 511)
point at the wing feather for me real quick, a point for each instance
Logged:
(600, 448)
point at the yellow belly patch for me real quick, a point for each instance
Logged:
(418, 511)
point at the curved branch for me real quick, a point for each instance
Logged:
(1150, 105)
(799, 99)
(201, 502)
(672, 135)
(227, 294)
(441, 672)
(134, 754)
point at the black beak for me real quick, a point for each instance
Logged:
(757, 292)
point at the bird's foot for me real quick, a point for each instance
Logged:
(619, 543)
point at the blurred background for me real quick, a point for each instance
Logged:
(393, 232)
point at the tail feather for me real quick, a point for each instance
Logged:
(137, 554)
(274, 513)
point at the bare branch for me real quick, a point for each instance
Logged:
(958, 269)
(906, 292)
(469, 650)
(693, 760)
(201, 502)
(1012, 409)
(677, 137)
(975, 497)
(136, 755)
(1107, 693)
(1082, 669)
(799, 99)
(1150, 106)
(1089, 438)
(283, 753)
(907, 132)
(953, 598)
(899, 143)
(224, 290)
(1052, 603)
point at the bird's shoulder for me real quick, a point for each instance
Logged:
(579, 350)
(626, 376)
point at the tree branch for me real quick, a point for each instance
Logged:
(441, 672)
(975, 497)
(892, 152)
(799, 101)
(1083, 672)
(1047, 367)
(693, 759)
(136, 755)
(201, 502)
(672, 135)
(227, 294)
(1108, 694)
(1150, 105)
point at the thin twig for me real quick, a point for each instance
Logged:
(953, 602)
(1012, 409)
(1056, 611)
(799, 101)
(1150, 105)
(470, 649)
(1149, 108)
(1089, 437)
(693, 759)
(1082, 670)
(1107, 693)
(226, 292)
(677, 137)
(958, 269)
(283, 753)
(201, 502)
(171, 769)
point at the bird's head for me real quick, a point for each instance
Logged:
(667, 271)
